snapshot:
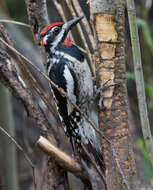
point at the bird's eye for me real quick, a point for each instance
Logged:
(56, 30)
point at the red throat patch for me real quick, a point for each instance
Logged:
(66, 43)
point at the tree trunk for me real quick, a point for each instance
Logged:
(108, 18)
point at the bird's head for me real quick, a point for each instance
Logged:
(54, 34)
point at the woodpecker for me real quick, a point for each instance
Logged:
(68, 68)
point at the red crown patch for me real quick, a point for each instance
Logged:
(49, 27)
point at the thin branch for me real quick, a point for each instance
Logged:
(14, 22)
(60, 10)
(139, 79)
(93, 163)
(84, 22)
(69, 4)
(125, 182)
(24, 154)
(83, 50)
(62, 14)
(9, 78)
(18, 146)
(64, 160)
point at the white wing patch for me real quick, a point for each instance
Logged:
(70, 88)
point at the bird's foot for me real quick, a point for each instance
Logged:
(100, 90)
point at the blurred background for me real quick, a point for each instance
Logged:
(14, 117)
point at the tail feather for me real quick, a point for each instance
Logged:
(97, 155)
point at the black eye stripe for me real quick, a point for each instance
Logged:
(56, 29)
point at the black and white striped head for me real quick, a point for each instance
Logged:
(54, 34)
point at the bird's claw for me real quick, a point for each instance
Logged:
(100, 92)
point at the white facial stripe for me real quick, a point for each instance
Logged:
(58, 39)
(45, 39)
(59, 36)
(70, 88)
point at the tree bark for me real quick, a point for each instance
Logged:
(108, 18)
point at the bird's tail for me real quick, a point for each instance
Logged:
(98, 156)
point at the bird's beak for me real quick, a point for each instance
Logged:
(68, 25)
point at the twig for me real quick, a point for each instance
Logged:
(24, 154)
(83, 50)
(93, 163)
(139, 79)
(84, 22)
(125, 182)
(69, 4)
(10, 79)
(60, 10)
(61, 158)
(14, 22)
(62, 14)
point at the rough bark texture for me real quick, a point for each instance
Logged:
(108, 19)
(55, 177)
(9, 78)
(37, 14)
